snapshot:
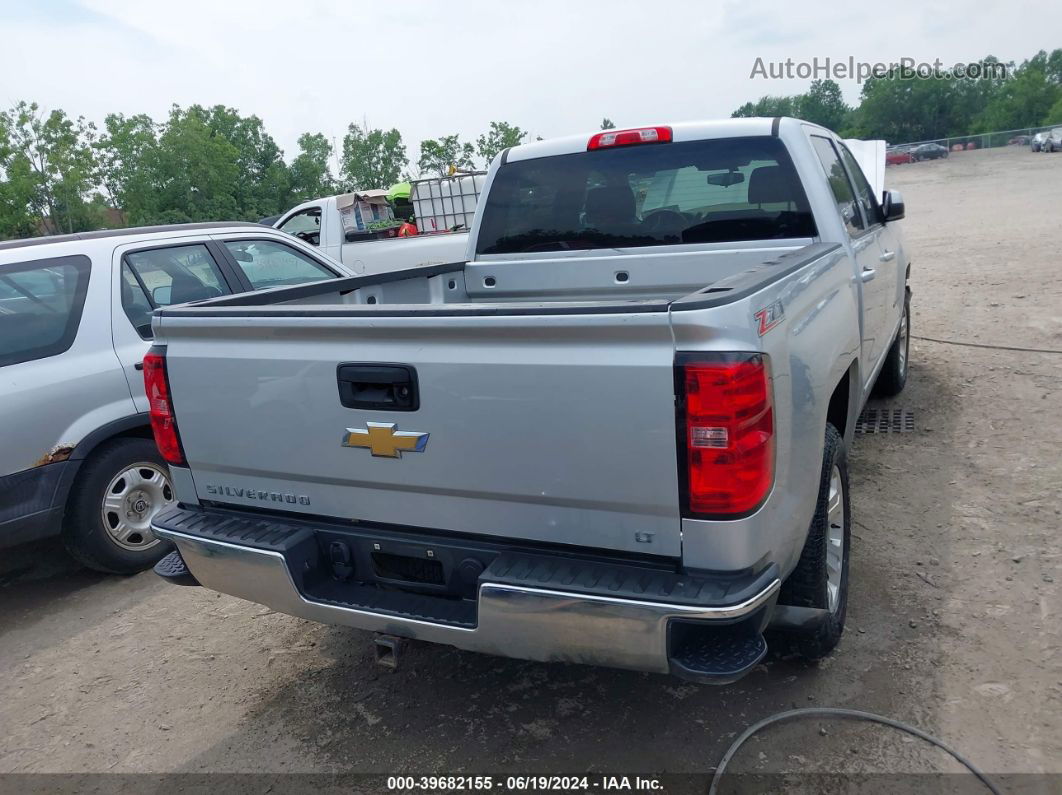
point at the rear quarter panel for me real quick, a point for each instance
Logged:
(810, 352)
(51, 404)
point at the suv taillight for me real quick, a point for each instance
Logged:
(160, 407)
(727, 429)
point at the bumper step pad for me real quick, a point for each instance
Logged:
(718, 656)
(172, 569)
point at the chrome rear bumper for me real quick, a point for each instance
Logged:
(512, 621)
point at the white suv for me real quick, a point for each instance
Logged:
(76, 450)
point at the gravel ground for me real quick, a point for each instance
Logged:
(953, 618)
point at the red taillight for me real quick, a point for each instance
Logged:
(639, 135)
(160, 407)
(729, 430)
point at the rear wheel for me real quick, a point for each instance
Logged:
(108, 517)
(820, 579)
(893, 375)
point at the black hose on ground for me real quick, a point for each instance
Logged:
(849, 714)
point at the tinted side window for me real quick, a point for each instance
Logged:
(177, 274)
(865, 193)
(839, 184)
(135, 302)
(40, 307)
(270, 264)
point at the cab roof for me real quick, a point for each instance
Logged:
(681, 131)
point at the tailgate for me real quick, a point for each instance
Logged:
(556, 428)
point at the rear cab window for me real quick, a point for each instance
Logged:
(708, 191)
(41, 304)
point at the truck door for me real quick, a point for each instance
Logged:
(864, 235)
(891, 270)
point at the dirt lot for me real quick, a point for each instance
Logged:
(953, 621)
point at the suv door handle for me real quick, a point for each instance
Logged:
(887, 256)
(867, 275)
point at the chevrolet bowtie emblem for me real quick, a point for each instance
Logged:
(383, 440)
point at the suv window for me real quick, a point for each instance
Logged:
(305, 225)
(175, 275)
(843, 193)
(266, 263)
(40, 307)
(648, 195)
(865, 193)
(136, 303)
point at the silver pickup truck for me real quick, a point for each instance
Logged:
(614, 435)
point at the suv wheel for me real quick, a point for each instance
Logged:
(108, 516)
(820, 578)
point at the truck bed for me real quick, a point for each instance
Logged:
(640, 283)
(521, 412)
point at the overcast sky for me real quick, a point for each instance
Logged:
(431, 69)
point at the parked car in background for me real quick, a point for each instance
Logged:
(898, 156)
(929, 152)
(1037, 141)
(1018, 140)
(1052, 140)
(77, 456)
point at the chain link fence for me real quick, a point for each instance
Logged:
(1020, 137)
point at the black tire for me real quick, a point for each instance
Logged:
(893, 375)
(85, 534)
(807, 585)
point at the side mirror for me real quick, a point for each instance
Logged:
(892, 205)
(161, 296)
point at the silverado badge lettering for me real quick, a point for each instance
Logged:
(257, 494)
(383, 440)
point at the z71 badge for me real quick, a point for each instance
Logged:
(769, 317)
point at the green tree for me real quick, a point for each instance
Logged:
(437, 155)
(1026, 97)
(197, 171)
(606, 124)
(501, 136)
(311, 174)
(373, 158)
(262, 184)
(899, 109)
(18, 186)
(767, 107)
(127, 159)
(1054, 116)
(823, 104)
(59, 155)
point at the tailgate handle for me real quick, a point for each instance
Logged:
(391, 387)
